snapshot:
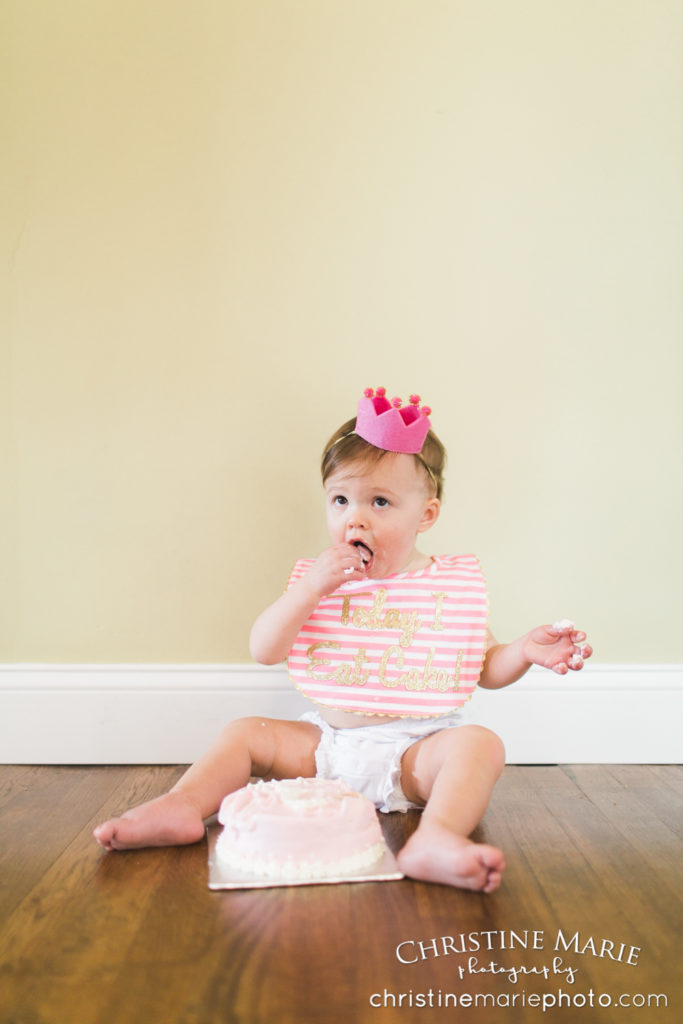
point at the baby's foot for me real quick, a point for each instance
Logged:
(170, 820)
(435, 854)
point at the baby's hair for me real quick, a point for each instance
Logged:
(346, 446)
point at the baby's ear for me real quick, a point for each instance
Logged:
(430, 514)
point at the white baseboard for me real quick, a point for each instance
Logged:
(168, 714)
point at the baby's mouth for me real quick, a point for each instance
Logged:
(365, 552)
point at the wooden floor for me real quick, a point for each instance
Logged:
(593, 852)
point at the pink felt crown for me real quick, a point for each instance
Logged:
(390, 424)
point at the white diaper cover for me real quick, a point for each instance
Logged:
(369, 757)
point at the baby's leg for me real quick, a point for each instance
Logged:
(263, 747)
(453, 772)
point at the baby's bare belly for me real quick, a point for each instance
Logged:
(347, 720)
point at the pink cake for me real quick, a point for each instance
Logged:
(298, 829)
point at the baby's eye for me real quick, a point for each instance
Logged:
(381, 502)
(339, 500)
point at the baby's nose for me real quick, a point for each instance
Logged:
(357, 520)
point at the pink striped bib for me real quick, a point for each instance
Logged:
(411, 644)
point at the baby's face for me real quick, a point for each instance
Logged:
(381, 507)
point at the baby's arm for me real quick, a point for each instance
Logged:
(276, 629)
(559, 647)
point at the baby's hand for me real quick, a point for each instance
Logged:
(336, 565)
(559, 647)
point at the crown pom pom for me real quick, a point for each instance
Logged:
(390, 425)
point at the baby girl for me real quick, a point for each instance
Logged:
(389, 643)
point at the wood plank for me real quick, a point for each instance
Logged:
(634, 814)
(16, 779)
(656, 787)
(95, 937)
(36, 804)
(65, 923)
(571, 870)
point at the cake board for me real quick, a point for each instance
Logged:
(222, 876)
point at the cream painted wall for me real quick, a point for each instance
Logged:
(223, 219)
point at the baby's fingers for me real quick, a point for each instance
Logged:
(579, 654)
(575, 661)
(560, 668)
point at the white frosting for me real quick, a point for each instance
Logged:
(563, 624)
